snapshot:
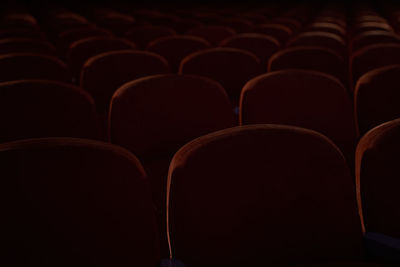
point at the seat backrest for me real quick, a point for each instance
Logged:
(181, 107)
(377, 97)
(372, 57)
(38, 108)
(302, 98)
(320, 39)
(214, 34)
(102, 74)
(310, 58)
(278, 31)
(261, 45)
(231, 67)
(372, 37)
(26, 45)
(377, 176)
(176, 47)
(328, 27)
(80, 51)
(143, 35)
(72, 201)
(18, 66)
(261, 195)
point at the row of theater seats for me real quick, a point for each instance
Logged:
(258, 195)
(128, 96)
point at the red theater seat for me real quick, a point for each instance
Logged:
(328, 27)
(320, 39)
(80, 51)
(26, 45)
(143, 35)
(213, 34)
(117, 23)
(372, 57)
(377, 176)
(21, 33)
(17, 66)
(103, 74)
(175, 48)
(311, 58)
(261, 45)
(370, 26)
(231, 67)
(31, 109)
(302, 98)
(373, 37)
(65, 39)
(377, 97)
(69, 202)
(262, 195)
(155, 115)
(278, 31)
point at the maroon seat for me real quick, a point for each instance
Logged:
(377, 97)
(262, 195)
(103, 74)
(278, 31)
(175, 48)
(118, 23)
(302, 98)
(293, 24)
(213, 34)
(68, 201)
(372, 57)
(231, 67)
(143, 35)
(320, 39)
(311, 58)
(367, 38)
(328, 27)
(21, 33)
(261, 45)
(18, 66)
(80, 51)
(377, 176)
(65, 39)
(370, 26)
(26, 45)
(31, 109)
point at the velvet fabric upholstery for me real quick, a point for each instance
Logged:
(262, 195)
(103, 74)
(372, 37)
(231, 67)
(143, 35)
(278, 31)
(31, 109)
(214, 34)
(19, 66)
(372, 57)
(302, 98)
(80, 51)
(75, 202)
(310, 58)
(177, 47)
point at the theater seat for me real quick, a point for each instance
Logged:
(302, 98)
(175, 48)
(320, 39)
(372, 57)
(261, 45)
(214, 34)
(26, 45)
(377, 175)
(31, 109)
(102, 74)
(17, 66)
(231, 67)
(155, 115)
(377, 97)
(262, 195)
(82, 50)
(278, 31)
(143, 35)
(373, 37)
(74, 202)
(310, 58)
